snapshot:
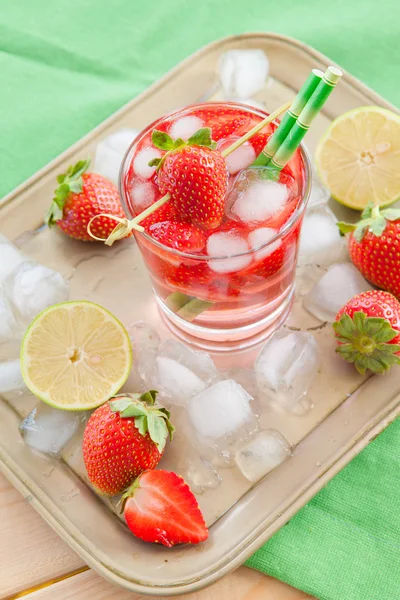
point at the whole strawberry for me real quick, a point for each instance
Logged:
(123, 438)
(368, 331)
(195, 176)
(374, 246)
(160, 507)
(81, 196)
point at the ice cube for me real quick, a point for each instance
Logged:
(32, 287)
(185, 127)
(241, 158)
(176, 380)
(228, 243)
(200, 475)
(48, 430)
(259, 199)
(340, 283)
(243, 73)
(319, 193)
(320, 240)
(145, 342)
(10, 257)
(263, 452)
(306, 277)
(141, 162)
(110, 152)
(221, 410)
(245, 378)
(142, 194)
(10, 377)
(197, 361)
(285, 368)
(261, 236)
(8, 324)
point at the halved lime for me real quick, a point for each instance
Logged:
(75, 355)
(358, 158)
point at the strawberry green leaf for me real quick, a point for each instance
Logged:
(345, 227)
(76, 186)
(367, 212)
(158, 430)
(121, 403)
(134, 410)
(202, 137)
(391, 214)
(178, 143)
(377, 225)
(155, 162)
(365, 341)
(54, 214)
(162, 140)
(360, 230)
(61, 194)
(149, 397)
(141, 424)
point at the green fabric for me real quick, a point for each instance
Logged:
(66, 65)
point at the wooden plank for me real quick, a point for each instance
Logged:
(32, 555)
(243, 584)
(30, 551)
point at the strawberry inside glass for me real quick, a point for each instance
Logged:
(222, 251)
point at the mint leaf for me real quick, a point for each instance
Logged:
(202, 137)
(162, 140)
(154, 162)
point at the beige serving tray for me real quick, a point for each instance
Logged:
(349, 410)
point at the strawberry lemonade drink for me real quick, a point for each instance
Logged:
(222, 251)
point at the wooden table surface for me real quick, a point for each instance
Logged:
(37, 564)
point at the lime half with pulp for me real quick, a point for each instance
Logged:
(358, 158)
(75, 355)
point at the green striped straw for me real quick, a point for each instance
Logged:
(289, 119)
(307, 115)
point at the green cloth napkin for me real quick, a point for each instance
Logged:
(66, 65)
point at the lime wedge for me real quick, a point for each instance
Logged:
(75, 355)
(358, 158)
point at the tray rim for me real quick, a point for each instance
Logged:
(22, 483)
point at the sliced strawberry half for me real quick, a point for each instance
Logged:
(160, 508)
